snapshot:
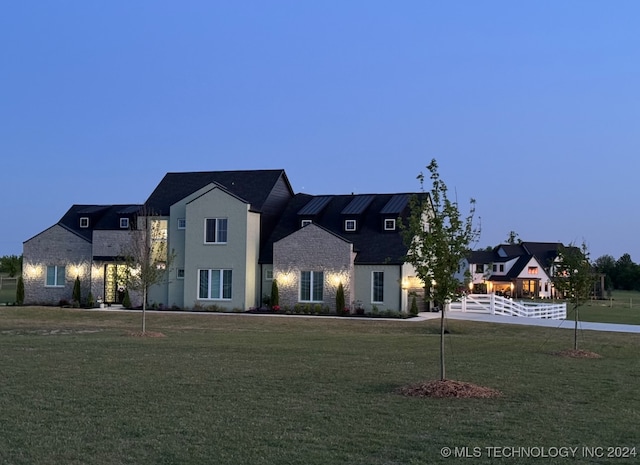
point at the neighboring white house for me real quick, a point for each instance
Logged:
(523, 270)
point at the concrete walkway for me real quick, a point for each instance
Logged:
(514, 320)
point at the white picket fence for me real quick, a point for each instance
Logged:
(497, 305)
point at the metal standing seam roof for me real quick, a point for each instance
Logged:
(358, 205)
(315, 206)
(395, 205)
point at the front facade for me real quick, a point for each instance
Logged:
(229, 235)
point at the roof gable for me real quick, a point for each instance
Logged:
(254, 186)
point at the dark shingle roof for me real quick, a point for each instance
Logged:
(253, 186)
(101, 217)
(372, 244)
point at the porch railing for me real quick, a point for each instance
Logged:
(497, 305)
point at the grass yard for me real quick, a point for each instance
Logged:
(623, 308)
(77, 388)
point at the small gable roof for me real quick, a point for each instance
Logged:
(253, 186)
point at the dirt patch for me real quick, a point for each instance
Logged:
(146, 334)
(448, 388)
(577, 353)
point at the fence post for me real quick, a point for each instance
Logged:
(492, 304)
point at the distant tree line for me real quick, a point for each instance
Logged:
(621, 274)
(11, 264)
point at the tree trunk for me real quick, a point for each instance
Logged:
(575, 332)
(442, 371)
(144, 310)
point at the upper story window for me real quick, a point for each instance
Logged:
(533, 270)
(182, 223)
(350, 225)
(124, 223)
(479, 268)
(55, 276)
(303, 223)
(215, 231)
(180, 273)
(390, 224)
(501, 267)
(84, 222)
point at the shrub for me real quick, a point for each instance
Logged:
(275, 295)
(20, 291)
(340, 299)
(90, 300)
(77, 294)
(126, 301)
(414, 306)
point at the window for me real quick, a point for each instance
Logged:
(533, 270)
(350, 225)
(124, 223)
(214, 284)
(303, 223)
(501, 267)
(180, 273)
(311, 286)
(215, 231)
(182, 223)
(55, 276)
(377, 289)
(390, 225)
(268, 275)
(479, 268)
(84, 222)
(495, 268)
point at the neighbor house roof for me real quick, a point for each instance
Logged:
(253, 186)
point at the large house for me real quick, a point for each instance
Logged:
(231, 233)
(521, 270)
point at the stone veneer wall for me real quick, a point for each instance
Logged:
(55, 247)
(313, 249)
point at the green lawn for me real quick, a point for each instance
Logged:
(624, 308)
(77, 388)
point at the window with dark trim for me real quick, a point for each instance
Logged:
(215, 231)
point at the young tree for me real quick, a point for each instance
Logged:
(574, 278)
(438, 238)
(147, 257)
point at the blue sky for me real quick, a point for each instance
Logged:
(530, 107)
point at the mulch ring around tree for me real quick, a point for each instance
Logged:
(577, 353)
(146, 334)
(448, 388)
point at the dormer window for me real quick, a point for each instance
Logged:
(84, 222)
(350, 225)
(124, 223)
(303, 223)
(390, 224)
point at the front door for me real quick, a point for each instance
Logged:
(114, 283)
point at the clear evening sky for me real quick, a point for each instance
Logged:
(530, 107)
